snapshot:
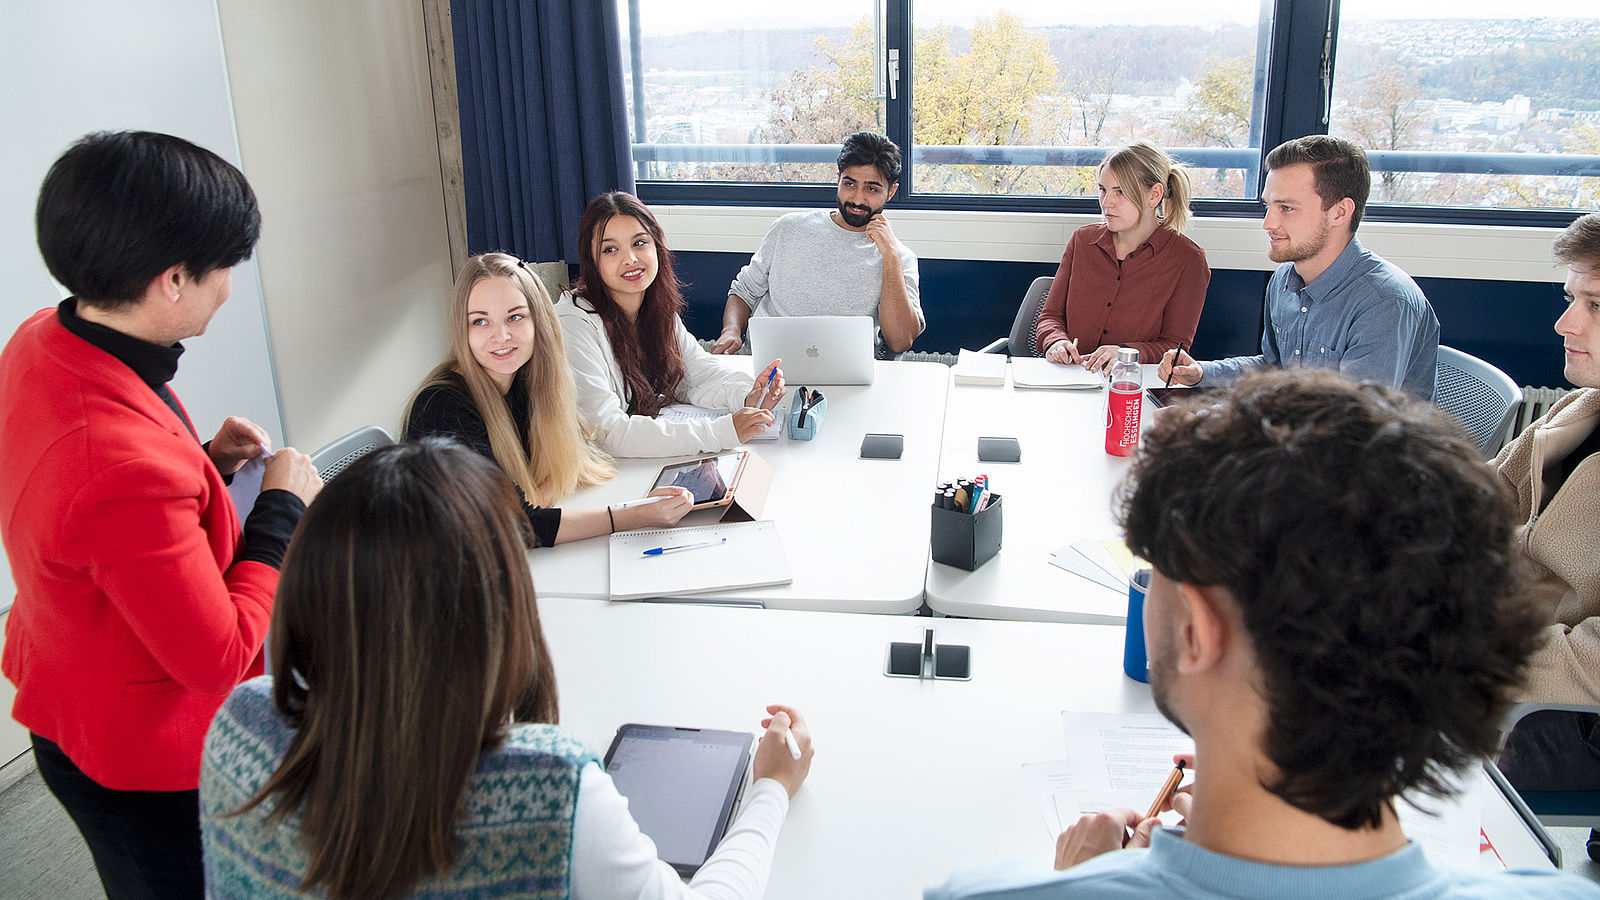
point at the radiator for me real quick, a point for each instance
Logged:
(1536, 401)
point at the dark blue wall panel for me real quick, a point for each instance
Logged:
(969, 303)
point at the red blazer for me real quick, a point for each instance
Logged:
(131, 622)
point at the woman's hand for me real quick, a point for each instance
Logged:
(292, 471)
(749, 421)
(1063, 353)
(1101, 358)
(773, 759)
(766, 394)
(238, 441)
(660, 514)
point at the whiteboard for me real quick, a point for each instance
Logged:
(77, 66)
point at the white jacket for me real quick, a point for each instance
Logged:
(603, 396)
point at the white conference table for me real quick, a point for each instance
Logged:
(855, 531)
(1059, 493)
(912, 779)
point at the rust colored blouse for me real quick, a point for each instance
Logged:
(1149, 301)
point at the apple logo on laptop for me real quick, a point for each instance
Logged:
(812, 352)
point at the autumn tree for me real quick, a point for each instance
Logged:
(1001, 91)
(1386, 112)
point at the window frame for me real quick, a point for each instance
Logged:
(1301, 42)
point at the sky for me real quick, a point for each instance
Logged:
(679, 16)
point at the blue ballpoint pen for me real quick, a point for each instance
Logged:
(657, 551)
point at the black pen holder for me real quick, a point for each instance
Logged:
(967, 540)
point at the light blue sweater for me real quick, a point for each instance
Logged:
(1173, 867)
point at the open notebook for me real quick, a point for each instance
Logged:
(751, 556)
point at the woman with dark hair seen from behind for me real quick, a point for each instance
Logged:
(358, 772)
(1134, 281)
(631, 355)
(140, 601)
(505, 391)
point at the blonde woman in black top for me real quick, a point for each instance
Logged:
(505, 391)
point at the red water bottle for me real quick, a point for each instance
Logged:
(1124, 403)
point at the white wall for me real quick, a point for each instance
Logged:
(336, 130)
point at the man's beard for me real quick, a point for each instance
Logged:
(1163, 669)
(855, 219)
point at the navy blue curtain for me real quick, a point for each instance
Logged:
(543, 122)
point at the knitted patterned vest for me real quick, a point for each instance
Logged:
(515, 839)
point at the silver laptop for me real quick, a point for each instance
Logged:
(815, 349)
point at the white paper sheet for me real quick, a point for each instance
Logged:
(1123, 759)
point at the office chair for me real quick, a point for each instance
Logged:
(1561, 808)
(337, 456)
(1479, 396)
(1025, 328)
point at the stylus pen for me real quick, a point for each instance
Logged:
(1166, 791)
(794, 745)
(1174, 363)
(657, 551)
(644, 501)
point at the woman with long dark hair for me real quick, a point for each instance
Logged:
(140, 600)
(631, 355)
(505, 391)
(409, 742)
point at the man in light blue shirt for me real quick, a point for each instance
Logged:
(1332, 303)
(1330, 617)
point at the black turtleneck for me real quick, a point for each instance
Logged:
(271, 521)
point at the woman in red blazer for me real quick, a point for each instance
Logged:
(140, 601)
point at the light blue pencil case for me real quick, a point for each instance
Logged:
(806, 412)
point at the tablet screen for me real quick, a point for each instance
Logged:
(680, 784)
(707, 479)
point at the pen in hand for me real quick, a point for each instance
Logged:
(1166, 792)
(1174, 363)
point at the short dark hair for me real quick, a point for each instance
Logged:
(869, 148)
(1339, 169)
(1579, 244)
(1369, 552)
(119, 208)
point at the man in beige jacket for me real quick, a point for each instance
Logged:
(1554, 468)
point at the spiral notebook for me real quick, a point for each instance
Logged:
(743, 555)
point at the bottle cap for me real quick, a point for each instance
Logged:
(1127, 355)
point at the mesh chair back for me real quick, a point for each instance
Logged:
(1025, 328)
(1479, 396)
(339, 455)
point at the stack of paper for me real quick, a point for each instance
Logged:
(1122, 759)
(973, 367)
(1106, 563)
(1037, 372)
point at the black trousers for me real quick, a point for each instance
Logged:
(1553, 750)
(146, 844)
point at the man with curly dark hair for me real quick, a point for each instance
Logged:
(1331, 617)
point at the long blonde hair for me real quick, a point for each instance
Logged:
(561, 455)
(1144, 164)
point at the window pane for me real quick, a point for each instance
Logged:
(1482, 91)
(732, 91)
(1059, 82)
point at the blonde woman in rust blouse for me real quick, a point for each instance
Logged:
(1134, 281)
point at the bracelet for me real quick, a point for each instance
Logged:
(613, 519)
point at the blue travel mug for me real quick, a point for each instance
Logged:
(1134, 661)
